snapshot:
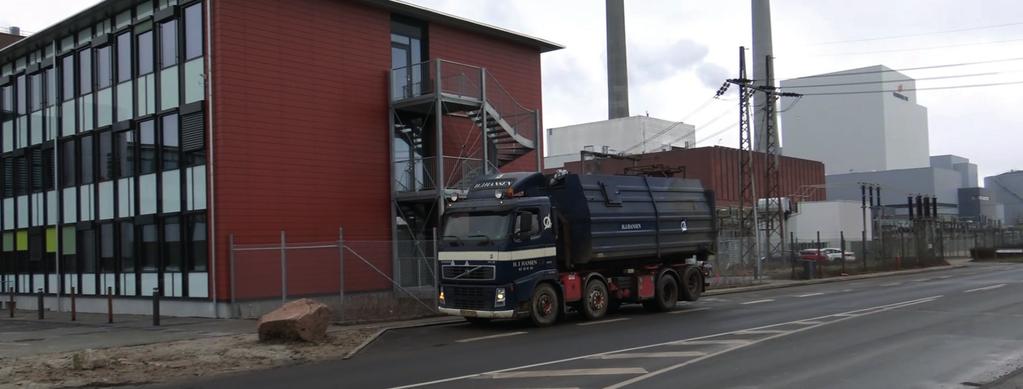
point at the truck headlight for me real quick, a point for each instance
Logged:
(499, 297)
(440, 297)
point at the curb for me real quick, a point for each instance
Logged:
(754, 288)
(369, 340)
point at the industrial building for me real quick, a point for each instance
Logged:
(979, 205)
(9, 35)
(628, 135)
(137, 136)
(842, 123)
(943, 180)
(1007, 189)
(717, 168)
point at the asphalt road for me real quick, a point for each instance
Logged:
(953, 328)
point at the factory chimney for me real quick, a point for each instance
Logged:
(762, 49)
(617, 66)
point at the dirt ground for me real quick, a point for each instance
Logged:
(163, 362)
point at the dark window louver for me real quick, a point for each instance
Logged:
(21, 176)
(37, 170)
(8, 177)
(192, 135)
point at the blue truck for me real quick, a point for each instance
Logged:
(530, 245)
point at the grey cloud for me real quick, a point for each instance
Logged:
(711, 74)
(655, 63)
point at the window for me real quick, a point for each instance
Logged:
(67, 161)
(35, 101)
(124, 57)
(104, 75)
(7, 98)
(168, 44)
(106, 157)
(147, 141)
(150, 246)
(145, 51)
(193, 31)
(85, 72)
(106, 248)
(88, 175)
(20, 90)
(169, 148)
(51, 87)
(527, 232)
(87, 251)
(125, 153)
(68, 83)
(127, 248)
(172, 243)
(198, 244)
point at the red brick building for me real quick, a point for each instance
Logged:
(171, 125)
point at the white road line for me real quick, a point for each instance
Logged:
(891, 284)
(921, 279)
(590, 323)
(758, 301)
(491, 337)
(757, 332)
(665, 354)
(691, 361)
(808, 322)
(985, 288)
(943, 277)
(811, 294)
(700, 340)
(566, 373)
(845, 291)
(688, 310)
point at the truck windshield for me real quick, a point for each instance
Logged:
(486, 227)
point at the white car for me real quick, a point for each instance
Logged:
(835, 254)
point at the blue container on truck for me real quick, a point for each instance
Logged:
(532, 245)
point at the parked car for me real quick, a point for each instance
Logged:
(813, 255)
(835, 254)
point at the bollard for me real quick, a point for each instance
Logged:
(110, 305)
(10, 304)
(40, 306)
(74, 312)
(156, 306)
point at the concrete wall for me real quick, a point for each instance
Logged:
(830, 218)
(979, 204)
(852, 129)
(620, 135)
(897, 184)
(1007, 189)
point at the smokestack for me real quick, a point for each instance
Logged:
(617, 66)
(15, 30)
(762, 49)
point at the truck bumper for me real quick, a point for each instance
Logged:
(481, 314)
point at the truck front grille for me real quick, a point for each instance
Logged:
(467, 272)
(465, 297)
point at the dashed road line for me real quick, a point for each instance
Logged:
(891, 284)
(688, 310)
(759, 332)
(565, 373)
(943, 277)
(845, 290)
(984, 288)
(758, 301)
(590, 323)
(491, 337)
(921, 280)
(665, 354)
(811, 294)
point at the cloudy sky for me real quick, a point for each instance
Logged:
(681, 51)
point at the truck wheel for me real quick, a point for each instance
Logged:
(665, 296)
(595, 300)
(692, 284)
(543, 307)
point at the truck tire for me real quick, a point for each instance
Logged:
(665, 296)
(595, 300)
(692, 284)
(543, 306)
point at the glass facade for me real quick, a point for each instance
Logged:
(103, 183)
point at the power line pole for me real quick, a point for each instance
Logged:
(748, 224)
(774, 220)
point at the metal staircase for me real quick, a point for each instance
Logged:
(509, 144)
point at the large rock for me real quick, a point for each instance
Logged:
(303, 319)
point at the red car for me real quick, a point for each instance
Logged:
(813, 255)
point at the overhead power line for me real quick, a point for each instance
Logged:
(951, 65)
(900, 80)
(915, 89)
(888, 37)
(922, 48)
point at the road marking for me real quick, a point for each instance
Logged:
(891, 284)
(808, 322)
(665, 354)
(491, 337)
(985, 288)
(590, 323)
(566, 373)
(811, 294)
(845, 291)
(921, 279)
(688, 310)
(706, 339)
(758, 301)
(943, 277)
(757, 332)
(691, 361)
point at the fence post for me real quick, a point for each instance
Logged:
(10, 303)
(284, 268)
(841, 237)
(110, 305)
(863, 244)
(40, 307)
(230, 244)
(156, 306)
(341, 271)
(74, 310)
(436, 268)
